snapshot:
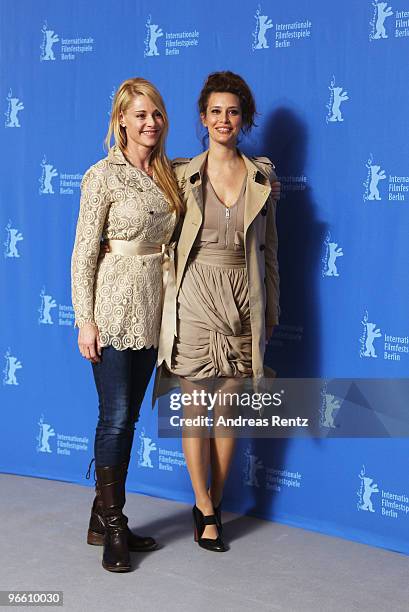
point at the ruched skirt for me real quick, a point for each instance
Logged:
(213, 333)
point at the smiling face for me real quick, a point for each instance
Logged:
(143, 122)
(223, 118)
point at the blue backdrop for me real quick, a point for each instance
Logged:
(330, 81)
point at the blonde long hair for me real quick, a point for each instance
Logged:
(159, 161)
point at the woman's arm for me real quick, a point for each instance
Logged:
(94, 207)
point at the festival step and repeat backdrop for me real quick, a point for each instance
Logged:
(330, 80)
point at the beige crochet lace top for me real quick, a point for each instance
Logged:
(122, 295)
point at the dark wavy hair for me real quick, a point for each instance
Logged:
(230, 82)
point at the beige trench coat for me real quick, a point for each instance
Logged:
(260, 242)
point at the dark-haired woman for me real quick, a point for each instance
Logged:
(226, 280)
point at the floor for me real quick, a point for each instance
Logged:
(268, 567)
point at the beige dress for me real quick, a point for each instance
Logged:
(213, 332)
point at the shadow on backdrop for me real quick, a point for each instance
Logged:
(295, 349)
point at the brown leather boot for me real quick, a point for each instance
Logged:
(96, 528)
(111, 483)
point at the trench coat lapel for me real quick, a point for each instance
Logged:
(191, 183)
(256, 192)
(194, 175)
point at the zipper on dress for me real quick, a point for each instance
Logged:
(227, 225)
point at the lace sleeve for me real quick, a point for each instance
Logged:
(94, 207)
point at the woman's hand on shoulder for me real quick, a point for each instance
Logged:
(104, 248)
(276, 190)
(89, 342)
(269, 332)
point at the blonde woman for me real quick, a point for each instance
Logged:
(129, 198)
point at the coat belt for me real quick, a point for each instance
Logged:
(168, 325)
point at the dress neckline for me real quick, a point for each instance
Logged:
(219, 200)
(152, 178)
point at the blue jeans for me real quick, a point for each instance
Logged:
(121, 378)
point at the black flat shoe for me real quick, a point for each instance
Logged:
(200, 522)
